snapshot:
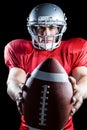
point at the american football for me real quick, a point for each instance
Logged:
(47, 97)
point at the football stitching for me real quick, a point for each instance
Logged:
(43, 105)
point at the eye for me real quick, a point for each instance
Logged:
(37, 29)
(59, 28)
(40, 28)
(52, 27)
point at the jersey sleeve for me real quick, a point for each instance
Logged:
(78, 53)
(13, 55)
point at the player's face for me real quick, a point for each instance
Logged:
(49, 31)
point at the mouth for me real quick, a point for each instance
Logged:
(47, 41)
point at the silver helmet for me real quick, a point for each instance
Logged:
(46, 14)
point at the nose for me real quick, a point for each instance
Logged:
(47, 31)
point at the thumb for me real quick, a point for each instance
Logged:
(73, 82)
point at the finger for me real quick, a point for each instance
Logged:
(76, 97)
(19, 97)
(73, 111)
(19, 106)
(72, 80)
(76, 106)
(73, 100)
(78, 103)
(22, 86)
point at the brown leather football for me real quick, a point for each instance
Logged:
(47, 97)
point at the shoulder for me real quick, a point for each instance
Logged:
(18, 42)
(18, 45)
(75, 44)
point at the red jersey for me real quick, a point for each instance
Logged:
(71, 53)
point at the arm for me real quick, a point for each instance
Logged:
(15, 77)
(79, 83)
(80, 74)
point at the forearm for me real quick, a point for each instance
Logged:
(82, 86)
(15, 77)
(80, 74)
(13, 88)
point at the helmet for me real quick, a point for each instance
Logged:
(46, 14)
